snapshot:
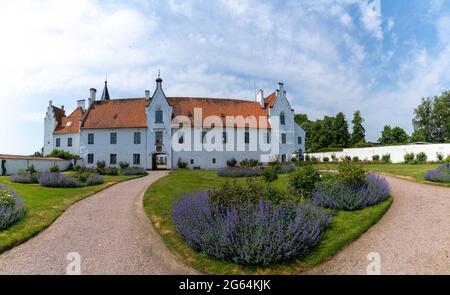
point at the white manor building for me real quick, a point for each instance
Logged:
(148, 132)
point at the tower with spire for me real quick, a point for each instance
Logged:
(105, 94)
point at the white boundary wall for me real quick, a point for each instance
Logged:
(397, 152)
(14, 165)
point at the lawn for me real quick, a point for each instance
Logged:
(43, 206)
(345, 228)
(414, 172)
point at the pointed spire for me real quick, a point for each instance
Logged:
(105, 94)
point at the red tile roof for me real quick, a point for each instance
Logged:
(130, 113)
(70, 124)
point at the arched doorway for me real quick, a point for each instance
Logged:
(159, 161)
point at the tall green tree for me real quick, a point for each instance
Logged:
(340, 134)
(394, 135)
(358, 131)
(423, 120)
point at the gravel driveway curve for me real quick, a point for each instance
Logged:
(109, 230)
(413, 237)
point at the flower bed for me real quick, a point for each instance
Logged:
(57, 179)
(12, 207)
(441, 174)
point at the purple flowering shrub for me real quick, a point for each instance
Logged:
(134, 171)
(441, 174)
(249, 233)
(25, 177)
(239, 171)
(336, 193)
(12, 207)
(57, 179)
(94, 179)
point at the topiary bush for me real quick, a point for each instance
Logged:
(439, 156)
(441, 174)
(251, 234)
(232, 162)
(386, 158)
(249, 163)
(54, 168)
(326, 159)
(409, 158)
(302, 180)
(12, 208)
(270, 174)
(375, 158)
(335, 193)
(124, 165)
(57, 179)
(421, 158)
(239, 172)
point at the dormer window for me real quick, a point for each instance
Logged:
(282, 119)
(158, 116)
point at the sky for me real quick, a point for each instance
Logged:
(379, 57)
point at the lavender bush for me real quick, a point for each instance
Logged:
(57, 179)
(25, 177)
(441, 174)
(134, 171)
(337, 194)
(94, 179)
(12, 208)
(239, 171)
(251, 234)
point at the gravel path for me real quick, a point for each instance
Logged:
(413, 237)
(109, 230)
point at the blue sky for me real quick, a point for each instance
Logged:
(332, 55)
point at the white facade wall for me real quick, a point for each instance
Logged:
(397, 152)
(74, 149)
(14, 165)
(49, 126)
(124, 149)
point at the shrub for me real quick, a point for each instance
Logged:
(94, 179)
(124, 165)
(333, 158)
(134, 171)
(447, 160)
(56, 179)
(350, 172)
(334, 193)
(270, 174)
(31, 169)
(409, 158)
(181, 164)
(386, 158)
(421, 158)
(326, 159)
(4, 170)
(294, 159)
(441, 174)
(307, 158)
(249, 163)
(54, 168)
(12, 207)
(355, 159)
(314, 159)
(286, 168)
(25, 177)
(251, 234)
(239, 172)
(77, 168)
(347, 158)
(303, 180)
(439, 156)
(232, 162)
(376, 158)
(56, 153)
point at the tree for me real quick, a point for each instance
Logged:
(358, 132)
(340, 134)
(432, 119)
(301, 119)
(394, 135)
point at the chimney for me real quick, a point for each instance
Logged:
(147, 94)
(260, 97)
(93, 92)
(62, 107)
(281, 87)
(50, 103)
(81, 104)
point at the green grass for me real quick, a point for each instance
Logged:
(413, 172)
(43, 206)
(345, 227)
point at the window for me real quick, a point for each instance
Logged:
(192, 161)
(58, 142)
(214, 160)
(113, 138)
(90, 158)
(181, 138)
(267, 137)
(283, 138)
(158, 137)
(69, 141)
(136, 159)
(203, 136)
(91, 138)
(113, 159)
(299, 140)
(158, 116)
(282, 119)
(137, 138)
(224, 137)
(247, 136)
